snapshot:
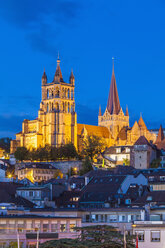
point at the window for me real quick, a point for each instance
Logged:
(155, 236)
(113, 218)
(72, 226)
(162, 178)
(149, 198)
(54, 228)
(20, 226)
(123, 218)
(118, 150)
(140, 236)
(63, 228)
(31, 193)
(45, 227)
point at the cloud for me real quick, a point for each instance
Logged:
(41, 21)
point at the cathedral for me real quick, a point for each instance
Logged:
(56, 123)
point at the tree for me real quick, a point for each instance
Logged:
(94, 237)
(126, 161)
(21, 153)
(72, 171)
(86, 166)
(155, 163)
(67, 151)
(92, 145)
(104, 236)
(58, 174)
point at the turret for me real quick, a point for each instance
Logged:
(58, 75)
(72, 78)
(44, 78)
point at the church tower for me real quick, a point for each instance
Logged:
(114, 118)
(57, 110)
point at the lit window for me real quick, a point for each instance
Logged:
(63, 228)
(72, 226)
(155, 236)
(140, 236)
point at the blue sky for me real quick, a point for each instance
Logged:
(87, 35)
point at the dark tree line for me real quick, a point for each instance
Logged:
(47, 153)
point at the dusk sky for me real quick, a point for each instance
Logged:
(87, 34)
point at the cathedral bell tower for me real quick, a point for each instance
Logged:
(57, 110)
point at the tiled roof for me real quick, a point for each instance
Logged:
(36, 165)
(93, 130)
(112, 150)
(100, 188)
(141, 123)
(156, 197)
(142, 141)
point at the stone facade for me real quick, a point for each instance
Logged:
(57, 121)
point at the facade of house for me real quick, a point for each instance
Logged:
(36, 172)
(143, 153)
(49, 228)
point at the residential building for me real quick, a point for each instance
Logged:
(36, 172)
(143, 153)
(27, 226)
(151, 234)
(39, 195)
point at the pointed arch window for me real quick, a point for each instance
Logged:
(47, 93)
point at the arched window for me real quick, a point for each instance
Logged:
(65, 93)
(47, 108)
(68, 94)
(68, 107)
(72, 94)
(65, 107)
(47, 94)
(56, 106)
(52, 94)
(52, 106)
(57, 92)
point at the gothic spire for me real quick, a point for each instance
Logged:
(58, 75)
(160, 136)
(100, 110)
(44, 77)
(126, 113)
(72, 78)
(113, 104)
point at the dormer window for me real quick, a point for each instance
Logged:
(149, 198)
(118, 150)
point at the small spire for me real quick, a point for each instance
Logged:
(58, 75)
(44, 77)
(58, 59)
(113, 64)
(72, 78)
(160, 136)
(126, 113)
(100, 111)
